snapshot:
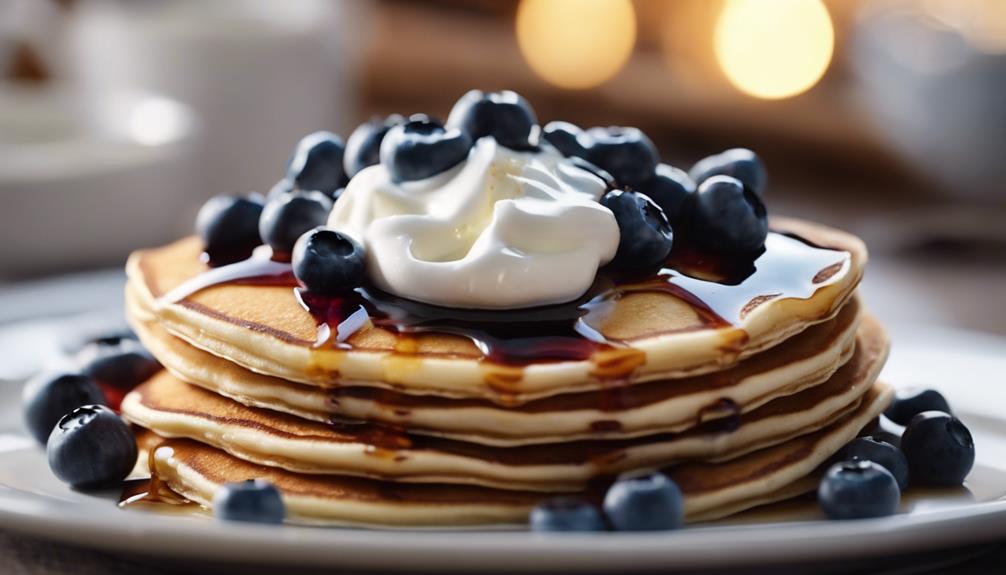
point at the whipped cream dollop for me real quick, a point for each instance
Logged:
(504, 229)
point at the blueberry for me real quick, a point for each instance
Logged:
(583, 164)
(253, 501)
(421, 148)
(645, 236)
(50, 396)
(567, 138)
(883, 429)
(909, 403)
(280, 188)
(316, 163)
(112, 337)
(626, 153)
(124, 365)
(644, 502)
(566, 514)
(288, 217)
(739, 163)
(363, 148)
(885, 454)
(726, 217)
(506, 116)
(91, 447)
(939, 449)
(228, 226)
(858, 490)
(670, 188)
(327, 261)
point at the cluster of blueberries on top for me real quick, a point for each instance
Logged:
(917, 440)
(715, 207)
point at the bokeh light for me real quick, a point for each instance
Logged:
(576, 43)
(775, 49)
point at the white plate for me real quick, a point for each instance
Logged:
(967, 367)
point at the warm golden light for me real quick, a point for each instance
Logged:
(576, 43)
(774, 49)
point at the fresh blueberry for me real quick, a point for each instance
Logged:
(883, 429)
(327, 261)
(626, 153)
(91, 447)
(363, 148)
(124, 365)
(567, 138)
(253, 501)
(228, 226)
(939, 449)
(280, 188)
(290, 216)
(566, 514)
(644, 502)
(858, 490)
(506, 116)
(316, 163)
(885, 454)
(739, 163)
(645, 236)
(726, 217)
(111, 337)
(421, 148)
(50, 396)
(909, 403)
(670, 188)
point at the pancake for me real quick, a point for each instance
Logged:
(621, 412)
(196, 470)
(172, 408)
(669, 326)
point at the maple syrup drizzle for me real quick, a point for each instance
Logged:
(153, 491)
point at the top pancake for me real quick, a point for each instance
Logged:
(655, 333)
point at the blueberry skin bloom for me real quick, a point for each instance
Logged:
(91, 447)
(228, 226)
(316, 163)
(289, 216)
(506, 116)
(858, 490)
(566, 138)
(726, 217)
(880, 452)
(566, 514)
(326, 261)
(49, 396)
(644, 234)
(421, 148)
(909, 403)
(252, 501)
(671, 189)
(363, 148)
(625, 153)
(739, 163)
(939, 448)
(647, 502)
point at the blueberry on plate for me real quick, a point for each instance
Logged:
(726, 217)
(288, 217)
(49, 396)
(124, 365)
(327, 261)
(363, 148)
(939, 449)
(645, 236)
(421, 148)
(883, 429)
(880, 452)
(568, 138)
(316, 163)
(626, 153)
(739, 163)
(858, 490)
(565, 514)
(644, 502)
(91, 447)
(252, 501)
(911, 402)
(506, 116)
(228, 226)
(670, 188)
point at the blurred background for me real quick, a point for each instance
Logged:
(883, 117)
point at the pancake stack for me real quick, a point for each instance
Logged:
(383, 412)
